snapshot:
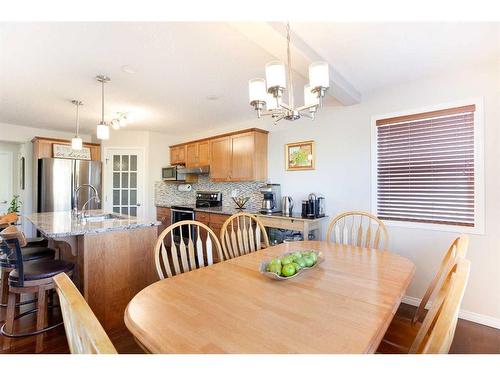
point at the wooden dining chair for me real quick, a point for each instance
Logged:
(438, 328)
(242, 233)
(84, 333)
(402, 331)
(185, 246)
(358, 228)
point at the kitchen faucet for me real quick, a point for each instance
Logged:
(75, 200)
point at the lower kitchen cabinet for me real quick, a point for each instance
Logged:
(163, 215)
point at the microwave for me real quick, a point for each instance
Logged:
(171, 173)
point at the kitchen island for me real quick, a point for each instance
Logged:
(113, 255)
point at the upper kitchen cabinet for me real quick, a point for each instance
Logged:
(198, 154)
(240, 156)
(237, 156)
(220, 166)
(178, 155)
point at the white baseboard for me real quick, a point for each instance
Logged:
(463, 314)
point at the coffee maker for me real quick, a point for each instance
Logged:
(271, 202)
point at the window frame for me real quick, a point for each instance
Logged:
(479, 191)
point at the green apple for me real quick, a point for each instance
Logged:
(309, 260)
(275, 268)
(287, 260)
(288, 270)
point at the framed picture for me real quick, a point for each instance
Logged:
(300, 156)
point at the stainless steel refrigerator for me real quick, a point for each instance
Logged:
(58, 179)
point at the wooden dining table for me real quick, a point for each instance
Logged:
(344, 305)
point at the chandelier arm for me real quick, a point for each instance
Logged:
(304, 107)
(278, 119)
(285, 106)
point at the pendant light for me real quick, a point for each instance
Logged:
(102, 127)
(76, 142)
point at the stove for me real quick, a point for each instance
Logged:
(208, 199)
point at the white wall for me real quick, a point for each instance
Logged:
(342, 136)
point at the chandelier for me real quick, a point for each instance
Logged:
(266, 95)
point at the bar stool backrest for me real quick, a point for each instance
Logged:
(12, 241)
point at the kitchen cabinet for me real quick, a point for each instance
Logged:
(220, 166)
(163, 216)
(198, 154)
(238, 156)
(178, 155)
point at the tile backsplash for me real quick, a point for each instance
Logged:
(166, 193)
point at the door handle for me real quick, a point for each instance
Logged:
(3, 202)
(138, 204)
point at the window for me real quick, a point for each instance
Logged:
(425, 168)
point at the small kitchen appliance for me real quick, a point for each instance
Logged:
(287, 205)
(313, 207)
(271, 202)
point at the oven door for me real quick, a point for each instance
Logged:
(169, 173)
(181, 215)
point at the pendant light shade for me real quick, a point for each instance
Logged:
(271, 102)
(103, 131)
(319, 75)
(275, 75)
(115, 124)
(102, 127)
(257, 90)
(76, 141)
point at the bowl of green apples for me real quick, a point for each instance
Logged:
(291, 264)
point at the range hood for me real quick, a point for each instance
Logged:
(197, 170)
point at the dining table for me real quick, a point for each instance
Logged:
(342, 305)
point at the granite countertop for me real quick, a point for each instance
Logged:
(64, 224)
(227, 210)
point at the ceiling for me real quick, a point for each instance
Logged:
(180, 67)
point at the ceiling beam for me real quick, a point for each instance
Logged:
(271, 36)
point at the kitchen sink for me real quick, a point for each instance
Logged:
(102, 217)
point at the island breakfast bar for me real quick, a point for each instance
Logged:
(112, 254)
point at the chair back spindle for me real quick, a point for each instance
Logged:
(241, 234)
(358, 228)
(185, 246)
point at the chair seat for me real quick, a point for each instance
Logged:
(399, 336)
(31, 253)
(41, 270)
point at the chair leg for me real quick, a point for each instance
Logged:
(5, 287)
(41, 317)
(9, 319)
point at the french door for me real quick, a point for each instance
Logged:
(125, 181)
(6, 182)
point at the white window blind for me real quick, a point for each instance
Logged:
(425, 167)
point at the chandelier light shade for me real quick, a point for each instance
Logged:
(257, 91)
(102, 127)
(268, 93)
(319, 76)
(310, 98)
(76, 141)
(275, 76)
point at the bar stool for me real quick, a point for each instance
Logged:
(32, 278)
(32, 250)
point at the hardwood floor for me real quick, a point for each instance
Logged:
(470, 338)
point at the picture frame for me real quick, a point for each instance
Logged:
(300, 156)
(66, 152)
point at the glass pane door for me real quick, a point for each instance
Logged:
(125, 183)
